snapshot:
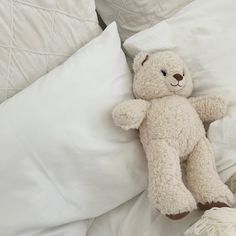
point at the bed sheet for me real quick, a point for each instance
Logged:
(138, 218)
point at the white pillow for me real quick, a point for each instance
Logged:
(37, 35)
(62, 159)
(133, 16)
(204, 34)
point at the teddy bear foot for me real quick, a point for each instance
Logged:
(209, 205)
(178, 216)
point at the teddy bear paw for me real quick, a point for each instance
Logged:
(209, 205)
(177, 205)
(180, 211)
(178, 216)
(217, 195)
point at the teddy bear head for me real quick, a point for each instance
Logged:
(160, 74)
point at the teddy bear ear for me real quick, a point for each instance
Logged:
(139, 60)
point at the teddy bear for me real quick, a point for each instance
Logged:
(172, 133)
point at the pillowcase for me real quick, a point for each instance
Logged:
(133, 16)
(203, 33)
(62, 158)
(37, 35)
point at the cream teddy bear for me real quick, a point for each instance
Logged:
(172, 132)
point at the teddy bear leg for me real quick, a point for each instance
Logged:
(203, 180)
(166, 189)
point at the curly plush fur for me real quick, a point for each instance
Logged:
(172, 131)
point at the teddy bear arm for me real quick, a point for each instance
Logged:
(130, 114)
(209, 108)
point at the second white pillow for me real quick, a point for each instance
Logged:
(203, 33)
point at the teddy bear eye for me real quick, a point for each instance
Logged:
(163, 72)
(183, 73)
(145, 59)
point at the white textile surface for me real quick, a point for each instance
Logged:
(62, 159)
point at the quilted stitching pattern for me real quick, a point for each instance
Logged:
(37, 35)
(133, 16)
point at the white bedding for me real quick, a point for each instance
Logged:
(51, 193)
(62, 160)
(137, 218)
(38, 35)
(204, 34)
(133, 16)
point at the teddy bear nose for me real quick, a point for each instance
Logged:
(178, 77)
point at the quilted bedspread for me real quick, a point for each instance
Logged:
(37, 35)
